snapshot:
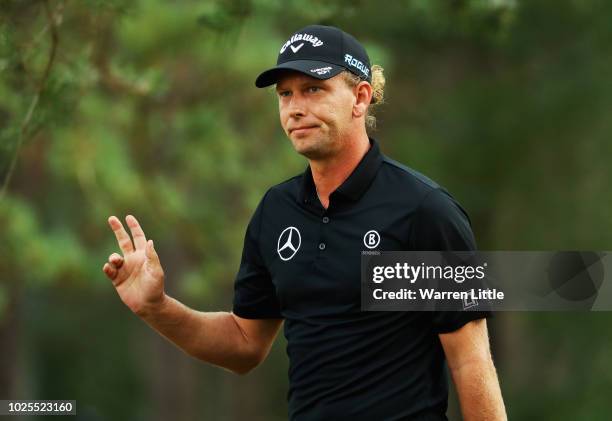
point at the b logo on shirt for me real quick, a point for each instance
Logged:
(288, 243)
(371, 239)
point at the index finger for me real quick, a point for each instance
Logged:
(123, 239)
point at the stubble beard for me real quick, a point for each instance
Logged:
(317, 146)
(313, 147)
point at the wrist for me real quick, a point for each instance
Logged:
(153, 310)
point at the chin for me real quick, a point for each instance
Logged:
(311, 150)
(312, 145)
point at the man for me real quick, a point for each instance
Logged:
(301, 262)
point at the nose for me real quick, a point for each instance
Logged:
(296, 107)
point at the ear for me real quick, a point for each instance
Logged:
(363, 97)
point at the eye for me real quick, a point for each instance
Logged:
(284, 93)
(313, 89)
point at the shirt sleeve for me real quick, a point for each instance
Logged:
(442, 224)
(254, 293)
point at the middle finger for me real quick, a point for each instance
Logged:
(140, 241)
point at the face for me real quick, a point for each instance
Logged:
(317, 115)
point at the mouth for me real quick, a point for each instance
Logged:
(302, 129)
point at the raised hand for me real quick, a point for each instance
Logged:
(138, 275)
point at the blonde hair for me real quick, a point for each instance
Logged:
(378, 91)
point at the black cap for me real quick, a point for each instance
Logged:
(321, 52)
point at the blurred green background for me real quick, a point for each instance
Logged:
(110, 107)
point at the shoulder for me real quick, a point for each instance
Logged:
(408, 174)
(282, 193)
(285, 191)
(439, 203)
(410, 184)
(287, 186)
(429, 197)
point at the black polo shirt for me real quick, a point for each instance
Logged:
(301, 262)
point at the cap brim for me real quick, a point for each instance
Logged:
(316, 69)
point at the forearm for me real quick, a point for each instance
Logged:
(213, 337)
(479, 392)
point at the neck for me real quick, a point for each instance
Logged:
(329, 173)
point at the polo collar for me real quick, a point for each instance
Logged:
(356, 184)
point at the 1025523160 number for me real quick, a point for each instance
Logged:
(46, 407)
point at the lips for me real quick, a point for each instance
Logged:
(301, 128)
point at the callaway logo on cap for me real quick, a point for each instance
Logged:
(321, 52)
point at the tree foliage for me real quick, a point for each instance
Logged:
(149, 107)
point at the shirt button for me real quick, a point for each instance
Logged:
(325, 219)
(321, 246)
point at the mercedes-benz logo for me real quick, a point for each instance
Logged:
(288, 243)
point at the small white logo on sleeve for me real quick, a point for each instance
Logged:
(371, 239)
(289, 242)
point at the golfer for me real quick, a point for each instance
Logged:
(301, 262)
